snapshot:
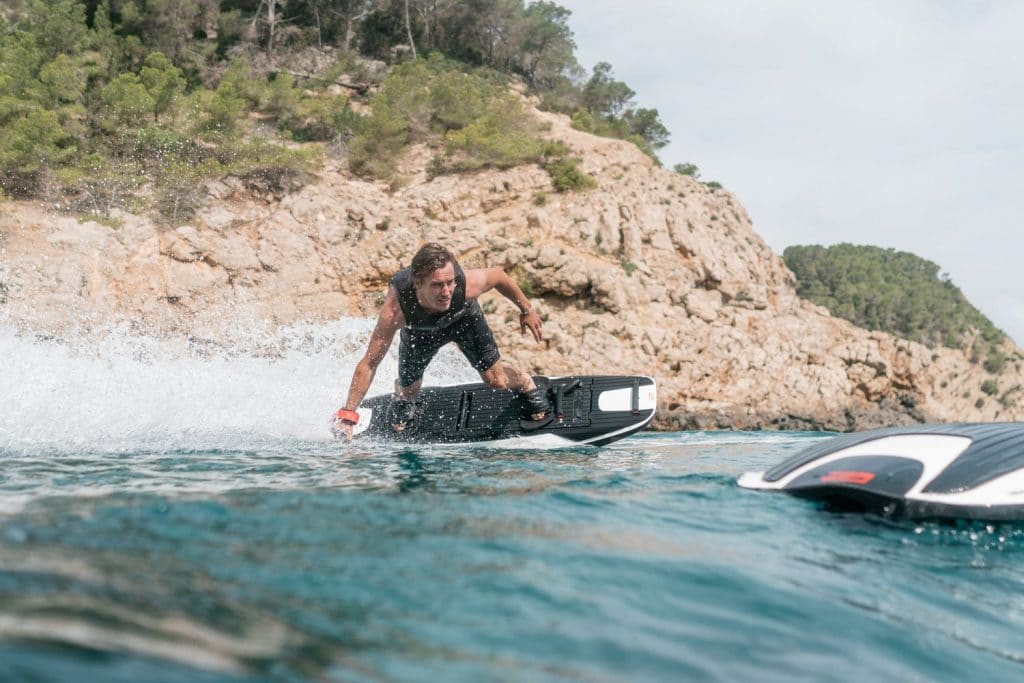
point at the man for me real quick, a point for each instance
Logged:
(434, 302)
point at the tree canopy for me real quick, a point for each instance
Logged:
(608, 109)
(892, 291)
(101, 97)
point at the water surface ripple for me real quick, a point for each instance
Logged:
(170, 511)
(299, 559)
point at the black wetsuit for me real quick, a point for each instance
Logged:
(425, 332)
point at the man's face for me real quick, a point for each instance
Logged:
(436, 290)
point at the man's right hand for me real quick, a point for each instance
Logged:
(344, 421)
(341, 430)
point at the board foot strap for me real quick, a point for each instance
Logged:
(534, 425)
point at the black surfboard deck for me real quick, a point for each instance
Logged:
(586, 410)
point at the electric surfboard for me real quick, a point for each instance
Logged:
(939, 471)
(585, 410)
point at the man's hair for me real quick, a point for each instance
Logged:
(429, 258)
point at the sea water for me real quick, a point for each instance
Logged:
(176, 511)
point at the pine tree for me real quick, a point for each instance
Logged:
(163, 81)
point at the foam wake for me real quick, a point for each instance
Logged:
(117, 392)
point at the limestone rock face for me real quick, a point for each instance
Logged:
(650, 273)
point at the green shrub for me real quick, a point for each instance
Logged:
(687, 169)
(320, 118)
(554, 148)
(280, 98)
(436, 167)
(566, 175)
(261, 164)
(177, 182)
(582, 120)
(995, 362)
(990, 387)
(608, 128)
(501, 137)
(221, 111)
(306, 116)
(159, 143)
(456, 100)
(127, 101)
(96, 183)
(64, 80)
(243, 83)
(275, 167)
(131, 99)
(32, 143)
(432, 100)
(405, 95)
(163, 82)
(382, 137)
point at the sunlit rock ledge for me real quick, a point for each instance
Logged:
(650, 273)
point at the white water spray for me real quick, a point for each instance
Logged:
(121, 392)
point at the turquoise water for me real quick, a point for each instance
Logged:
(140, 543)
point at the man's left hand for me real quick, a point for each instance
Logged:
(530, 320)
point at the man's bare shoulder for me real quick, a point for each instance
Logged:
(480, 280)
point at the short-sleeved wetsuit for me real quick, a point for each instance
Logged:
(425, 332)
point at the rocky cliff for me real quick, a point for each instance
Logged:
(650, 273)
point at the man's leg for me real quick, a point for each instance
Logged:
(410, 392)
(403, 410)
(414, 354)
(476, 341)
(504, 375)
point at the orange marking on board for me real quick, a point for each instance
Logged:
(847, 477)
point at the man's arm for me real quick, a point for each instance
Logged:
(389, 321)
(480, 280)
